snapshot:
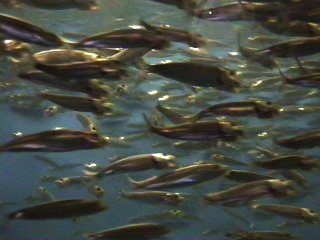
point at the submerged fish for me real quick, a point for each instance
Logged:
(21, 30)
(246, 176)
(252, 191)
(200, 131)
(125, 38)
(132, 231)
(261, 109)
(80, 104)
(290, 212)
(291, 162)
(197, 74)
(154, 197)
(62, 4)
(138, 163)
(59, 209)
(309, 139)
(61, 140)
(262, 235)
(183, 177)
(297, 177)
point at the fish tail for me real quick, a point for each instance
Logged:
(136, 184)
(146, 25)
(93, 175)
(173, 116)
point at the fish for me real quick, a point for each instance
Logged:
(305, 140)
(252, 54)
(251, 191)
(197, 74)
(181, 4)
(137, 163)
(60, 140)
(292, 28)
(290, 212)
(87, 122)
(71, 181)
(290, 162)
(154, 197)
(45, 194)
(132, 231)
(52, 111)
(199, 131)
(246, 176)
(24, 31)
(260, 109)
(308, 80)
(297, 177)
(88, 5)
(169, 215)
(293, 48)
(125, 38)
(183, 177)
(262, 235)
(177, 35)
(15, 49)
(219, 158)
(110, 69)
(59, 209)
(92, 87)
(80, 104)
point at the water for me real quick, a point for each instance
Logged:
(20, 173)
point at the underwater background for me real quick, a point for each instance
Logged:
(21, 174)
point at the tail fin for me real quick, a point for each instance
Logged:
(136, 184)
(173, 116)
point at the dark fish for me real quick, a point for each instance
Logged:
(261, 109)
(262, 235)
(21, 30)
(138, 163)
(85, 70)
(61, 140)
(297, 177)
(246, 176)
(92, 87)
(183, 177)
(219, 158)
(200, 131)
(290, 212)
(81, 104)
(62, 4)
(59, 209)
(252, 54)
(132, 231)
(197, 74)
(125, 38)
(154, 197)
(293, 48)
(309, 139)
(251, 191)
(291, 162)
(292, 28)
(176, 35)
(309, 80)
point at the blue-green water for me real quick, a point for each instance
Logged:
(20, 173)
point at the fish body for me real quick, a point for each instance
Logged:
(197, 74)
(181, 4)
(59, 209)
(291, 162)
(81, 104)
(290, 212)
(183, 177)
(293, 48)
(309, 80)
(305, 140)
(262, 235)
(132, 231)
(176, 35)
(252, 191)
(154, 197)
(199, 131)
(125, 38)
(246, 176)
(139, 163)
(85, 70)
(21, 30)
(61, 140)
(297, 177)
(62, 4)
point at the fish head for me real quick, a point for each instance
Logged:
(62, 182)
(230, 130)
(309, 215)
(266, 109)
(86, 5)
(164, 161)
(173, 198)
(229, 80)
(280, 188)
